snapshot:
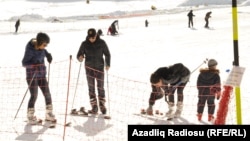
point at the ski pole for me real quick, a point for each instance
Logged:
(176, 85)
(48, 73)
(204, 62)
(108, 90)
(25, 94)
(76, 84)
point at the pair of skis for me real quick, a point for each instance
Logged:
(81, 112)
(40, 122)
(46, 123)
(156, 114)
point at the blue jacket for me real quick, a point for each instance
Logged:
(33, 61)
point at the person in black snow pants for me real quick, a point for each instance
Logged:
(17, 24)
(33, 61)
(92, 50)
(113, 28)
(164, 82)
(209, 88)
(146, 23)
(190, 19)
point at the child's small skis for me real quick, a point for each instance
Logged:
(155, 113)
(40, 122)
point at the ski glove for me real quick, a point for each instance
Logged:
(218, 94)
(49, 57)
(80, 58)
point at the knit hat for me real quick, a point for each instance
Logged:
(42, 38)
(211, 63)
(91, 32)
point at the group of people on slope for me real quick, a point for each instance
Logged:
(165, 81)
(94, 50)
(191, 22)
(112, 29)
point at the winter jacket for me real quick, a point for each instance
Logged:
(93, 53)
(174, 74)
(208, 82)
(208, 15)
(190, 15)
(33, 60)
(17, 23)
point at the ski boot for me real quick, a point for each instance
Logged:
(170, 114)
(199, 116)
(102, 105)
(49, 116)
(179, 109)
(210, 118)
(94, 109)
(149, 110)
(31, 118)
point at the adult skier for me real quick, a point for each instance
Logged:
(190, 18)
(96, 54)
(208, 15)
(164, 82)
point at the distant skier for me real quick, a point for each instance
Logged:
(17, 25)
(113, 28)
(208, 15)
(146, 23)
(190, 18)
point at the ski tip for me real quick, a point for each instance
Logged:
(52, 121)
(37, 122)
(52, 126)
(143, 111)
(73, 111)
(157, 112)
(40, 121)
(68, 124)
(107, 117)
